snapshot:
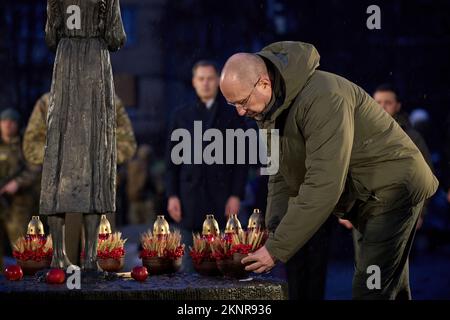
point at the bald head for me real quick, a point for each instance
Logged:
(243, 70)
(245, 83)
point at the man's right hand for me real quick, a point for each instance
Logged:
(448, 195)
(174, 208)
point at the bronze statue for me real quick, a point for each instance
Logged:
(79, 168)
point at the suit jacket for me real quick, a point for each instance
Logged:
(204, 188)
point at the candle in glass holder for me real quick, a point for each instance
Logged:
(161, 228)
(35, 229)
(105, 228)
(210, 229)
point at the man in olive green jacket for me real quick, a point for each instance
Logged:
(339, 152)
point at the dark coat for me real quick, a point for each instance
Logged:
(202, 188)
(416, 137)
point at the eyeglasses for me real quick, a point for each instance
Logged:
(243, 102)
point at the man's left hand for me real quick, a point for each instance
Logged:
(262, 261)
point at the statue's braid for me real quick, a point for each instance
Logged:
(102, 15)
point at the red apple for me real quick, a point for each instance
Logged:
(14, 273)
(56, 276)
(139, 273)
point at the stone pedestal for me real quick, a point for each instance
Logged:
(179, 286)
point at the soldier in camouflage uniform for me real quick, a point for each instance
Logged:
(33, 148)
(141, 188)
(18, 197)
(35, 133)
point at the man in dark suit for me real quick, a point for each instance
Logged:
(195, 189)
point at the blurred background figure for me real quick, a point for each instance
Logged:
(420, 120)
(195, 190)
(18, 192)
(140, 187)
(256, 192)
(33, 150)
(388, 98)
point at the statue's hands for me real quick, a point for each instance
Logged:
(10, 188)
(233, 205)
(174, 208)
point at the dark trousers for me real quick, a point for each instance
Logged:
(384, 241)
(307, 269)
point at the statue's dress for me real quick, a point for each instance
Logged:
(79, 169)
